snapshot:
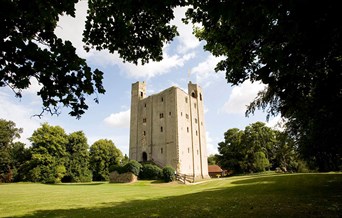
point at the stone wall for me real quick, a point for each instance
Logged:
(115, 177)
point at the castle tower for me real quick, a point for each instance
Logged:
(168, 129)
(138, 93)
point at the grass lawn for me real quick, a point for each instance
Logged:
(269, 195)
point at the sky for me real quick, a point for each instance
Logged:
(184, 60)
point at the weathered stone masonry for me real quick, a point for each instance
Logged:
(168, 129)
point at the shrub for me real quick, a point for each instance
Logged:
(133, 167)
(117, 168)
(168, 174)
(150, 171)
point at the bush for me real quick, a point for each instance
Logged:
(117, 168)
(150, 171)
(168, 174)
(133, 167)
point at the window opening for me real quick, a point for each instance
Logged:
(161, 115)
(161, 150)
(144, 156)
(161, 129)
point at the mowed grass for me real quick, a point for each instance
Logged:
(270, 195)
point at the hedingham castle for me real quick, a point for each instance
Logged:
(168, 129)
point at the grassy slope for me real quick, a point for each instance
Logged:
(306, 195)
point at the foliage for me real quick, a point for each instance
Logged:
(134, 29)
(133, 166)
(78, 161)
(151, 172)
(32, 51)
(49, 154)
(212, 159)
(8, 164)
(256, 149)
(294, 47)
(103, 154)
(169, 174)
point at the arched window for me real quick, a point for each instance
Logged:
(144, 156)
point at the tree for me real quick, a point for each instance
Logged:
(77, 166)
(294, 47)
(49, 154)
(212, 159)
(8, 133)
(31, 50)
(232, 152)
(257, 148)
(103, 155)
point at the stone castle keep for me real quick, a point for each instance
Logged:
(168, 129)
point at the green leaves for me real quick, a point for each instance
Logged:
(136, 29)
(257, 148)
(103, 155)
(30, 49)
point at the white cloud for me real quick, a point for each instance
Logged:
(211, 148)
(33, 88)
(205, 72)
(119, 120)
(157, 68)
(241, 96)
(21, 115)
(276, 123)
(186, 38)
(71, 28)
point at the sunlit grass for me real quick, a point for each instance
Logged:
(266, 195)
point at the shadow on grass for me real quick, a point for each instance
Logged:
(282, 196)
(78, 184)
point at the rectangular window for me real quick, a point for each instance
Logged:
(141, 94)
(144, 120)
(161, 129)
(144, 132)
(145, 105)
(162, 99)
(186, 99)
(161, 150)
(196, 132)
(187, 129)
(187, 116)
(195, 120)
(161, 115)
(170, 113)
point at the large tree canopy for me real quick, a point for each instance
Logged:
(294, 47)
(31, 50)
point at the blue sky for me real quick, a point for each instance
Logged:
(184, 60)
